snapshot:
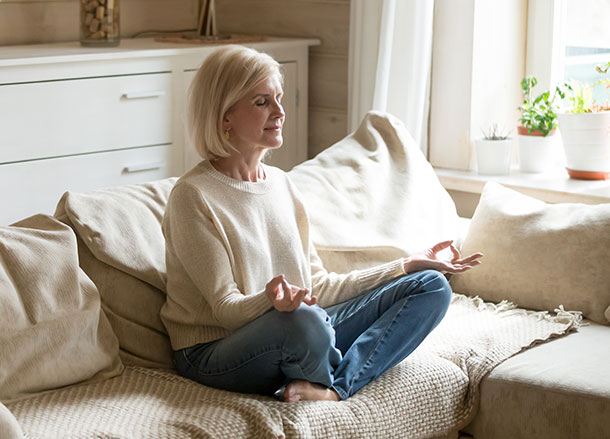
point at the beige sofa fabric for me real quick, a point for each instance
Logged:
(373, 197)
(52, 330)
(431, 393)
(132, 308)
(558, 390)
(539, 255)
(124, 254)
(9, 427)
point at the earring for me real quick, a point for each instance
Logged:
(227, 135)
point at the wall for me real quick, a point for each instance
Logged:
(327, 20)
(53, 21)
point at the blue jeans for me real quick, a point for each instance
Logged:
(343, 347)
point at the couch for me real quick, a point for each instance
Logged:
(83, 352)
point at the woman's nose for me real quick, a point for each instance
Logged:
(278, 110)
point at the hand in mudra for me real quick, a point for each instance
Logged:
(428, 260)
(286, 297)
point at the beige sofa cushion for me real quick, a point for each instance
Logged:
(52, 330)
(9, 427)
(558, 390)
(539, 255)
(124, 254)
(373, 197)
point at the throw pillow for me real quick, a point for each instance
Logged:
(52, 331)
(9, 426)
(122, 249)
(374, 196)
(539, 255)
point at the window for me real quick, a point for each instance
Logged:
(587, 43)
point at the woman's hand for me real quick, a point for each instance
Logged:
(428, 260)
(286, 297)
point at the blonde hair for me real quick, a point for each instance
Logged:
(226, 76)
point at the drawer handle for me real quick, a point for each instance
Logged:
(144, 94)
(144, 167)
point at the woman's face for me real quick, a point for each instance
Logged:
(255, 121)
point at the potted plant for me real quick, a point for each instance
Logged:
(537, 146)
(585, 130)
(494, 151)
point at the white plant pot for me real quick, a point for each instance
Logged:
(537, 153)
(493, 156)
(586, 142)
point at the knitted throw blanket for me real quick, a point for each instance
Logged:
(431, 393)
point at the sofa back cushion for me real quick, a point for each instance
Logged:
(122, 249)
(52, 330)
(539, 255)
(373, 197)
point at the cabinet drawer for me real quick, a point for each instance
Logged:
(57, 118)
(34, 187)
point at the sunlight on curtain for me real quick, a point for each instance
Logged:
(389, 61)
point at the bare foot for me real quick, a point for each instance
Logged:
(299, 390)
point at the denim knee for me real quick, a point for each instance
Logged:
(433, 281)
(309, 326)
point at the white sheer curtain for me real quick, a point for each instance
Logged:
(390, 52)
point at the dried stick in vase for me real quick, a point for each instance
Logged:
(203, 6)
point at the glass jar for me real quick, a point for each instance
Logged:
(99, 23)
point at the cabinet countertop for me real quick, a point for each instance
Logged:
(128, 48)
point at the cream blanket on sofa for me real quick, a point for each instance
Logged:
(431, 393)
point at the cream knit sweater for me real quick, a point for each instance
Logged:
(227, 238)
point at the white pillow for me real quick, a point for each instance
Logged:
(539, 255)
(373, 197)
(52, 331)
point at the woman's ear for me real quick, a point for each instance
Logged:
(226, 123)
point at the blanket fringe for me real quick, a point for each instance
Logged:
(573, 319)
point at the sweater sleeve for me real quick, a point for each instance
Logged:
(198, 243)
(332, 288)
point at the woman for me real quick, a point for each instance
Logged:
(249, 305)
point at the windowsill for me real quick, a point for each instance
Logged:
(553, 187)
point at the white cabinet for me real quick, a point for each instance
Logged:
(77, 119)
(84, 115)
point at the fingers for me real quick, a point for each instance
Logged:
(471, 258)
(310, 300)
(286, 297)
(455, 252)
(441, 246)
(273, 290)
(460, 268)
(288, 293)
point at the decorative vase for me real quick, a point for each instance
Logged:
(586, 142)
(494, 156)
(536, 152)
(99, 23)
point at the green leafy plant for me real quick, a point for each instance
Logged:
(495, 133)
(539, 113)
(580, 96)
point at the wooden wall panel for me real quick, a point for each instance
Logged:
(46, 22)
(328, 20)
(326, 126)
(329, 74)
